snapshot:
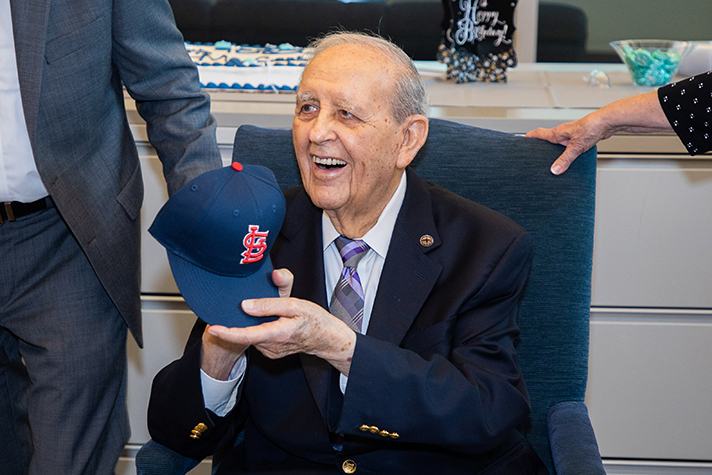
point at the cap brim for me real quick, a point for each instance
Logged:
(217, 299)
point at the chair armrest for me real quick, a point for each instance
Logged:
(156, 459)
(573, 443)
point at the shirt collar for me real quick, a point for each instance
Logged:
(378, 237)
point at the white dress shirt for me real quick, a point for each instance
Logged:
(221, 396)
(370, 266)
(19, 179)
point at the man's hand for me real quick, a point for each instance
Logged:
(303, 327)
(219, 356)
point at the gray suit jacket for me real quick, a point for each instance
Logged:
(73, 56)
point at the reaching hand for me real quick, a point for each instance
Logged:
(636, 114)
(578, 137)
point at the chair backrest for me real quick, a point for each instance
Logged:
(509, 174)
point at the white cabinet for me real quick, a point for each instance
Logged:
(653, 228)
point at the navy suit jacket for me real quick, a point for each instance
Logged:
(436, 373)
(73, 57)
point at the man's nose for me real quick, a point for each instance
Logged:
(322, 129)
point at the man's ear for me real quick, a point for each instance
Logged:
(414, 136)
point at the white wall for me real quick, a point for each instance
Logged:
(526, 23)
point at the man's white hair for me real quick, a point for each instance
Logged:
(409, 97)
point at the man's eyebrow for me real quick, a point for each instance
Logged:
(305, 97)
(350, 106)
(344, 104)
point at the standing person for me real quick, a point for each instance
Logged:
(70, 200)
(413, 368)
(684, 107)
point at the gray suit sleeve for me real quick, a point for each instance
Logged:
(156, 70)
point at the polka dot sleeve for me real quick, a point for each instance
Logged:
(688, 107)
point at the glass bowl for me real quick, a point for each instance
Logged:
(698, 61)
(652, 62)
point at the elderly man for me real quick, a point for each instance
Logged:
(423, 378)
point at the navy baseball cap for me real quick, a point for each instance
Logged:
(218, 230)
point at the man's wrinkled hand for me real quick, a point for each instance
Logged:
(219, 356)
(303, 327)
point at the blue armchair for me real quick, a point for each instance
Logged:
(509, 174)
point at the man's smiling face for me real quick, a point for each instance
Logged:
(347, 143)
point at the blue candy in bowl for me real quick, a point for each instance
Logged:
(652, 62)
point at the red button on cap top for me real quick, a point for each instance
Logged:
(237, 166)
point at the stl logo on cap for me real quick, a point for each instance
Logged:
(255, 245)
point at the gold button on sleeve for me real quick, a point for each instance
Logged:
(394, 435)
(384, 433)
(364, 428)
(349, 466)
(374, 429)
(198, 431)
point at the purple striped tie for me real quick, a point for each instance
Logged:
(347, 300)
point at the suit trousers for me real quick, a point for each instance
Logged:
(62, 355)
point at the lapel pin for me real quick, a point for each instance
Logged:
(426, 240)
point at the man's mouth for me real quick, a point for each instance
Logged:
(328, 163)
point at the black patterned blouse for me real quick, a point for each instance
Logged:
(688, 107)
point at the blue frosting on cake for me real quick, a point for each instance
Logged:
(224, 65)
